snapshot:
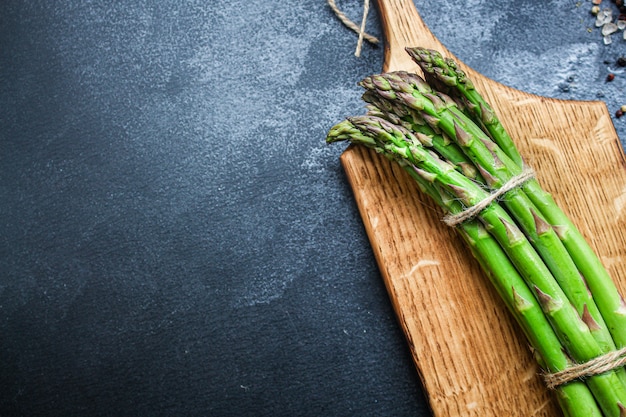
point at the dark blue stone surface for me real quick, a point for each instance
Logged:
(175, 237)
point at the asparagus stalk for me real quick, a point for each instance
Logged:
(575, 398)
(611, 304)
(407, 90)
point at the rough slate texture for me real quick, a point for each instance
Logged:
(175, 237)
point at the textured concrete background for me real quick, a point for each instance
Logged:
(175, 237)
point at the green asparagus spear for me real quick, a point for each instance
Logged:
(553, 274)
(575, 397)
(599, 282)
(407, 90)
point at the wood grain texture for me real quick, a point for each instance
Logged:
(469, 353)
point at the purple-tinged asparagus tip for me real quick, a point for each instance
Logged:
(424, 139)
(431, 121)
(548, 304)
(514, 234)
(492, 182)
(541, 225)
(381, 82)
(462, 137)
(387, 94)
(468, 169)
(487, 115)
(428, 176)
(561, 231)
(399, 81)
(446, 79)
(449, 101)
(444, 164)
(589, 320)
(497, 162)
(367, 83)
(460, 192)
(411, 101)
(366, 124)
(469, 105)
(520, 303)
(489, 144)
(438, 103)
(421, 54)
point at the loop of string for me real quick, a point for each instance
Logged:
(353, 26)
(596, 366)
(470, 212)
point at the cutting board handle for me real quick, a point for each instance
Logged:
(402, 27)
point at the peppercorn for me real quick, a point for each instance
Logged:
(621, 61)
(610, 77)
(619, 113)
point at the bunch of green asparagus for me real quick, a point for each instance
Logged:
(448, 138)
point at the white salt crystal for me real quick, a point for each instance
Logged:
(608, 29)
(604, 16)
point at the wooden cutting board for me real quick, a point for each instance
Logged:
(469, 353)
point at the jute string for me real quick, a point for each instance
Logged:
(353, 26)
(596, 366)
(471, 212)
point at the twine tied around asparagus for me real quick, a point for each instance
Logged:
(596, 366)
(351, 25)
(470, 212)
